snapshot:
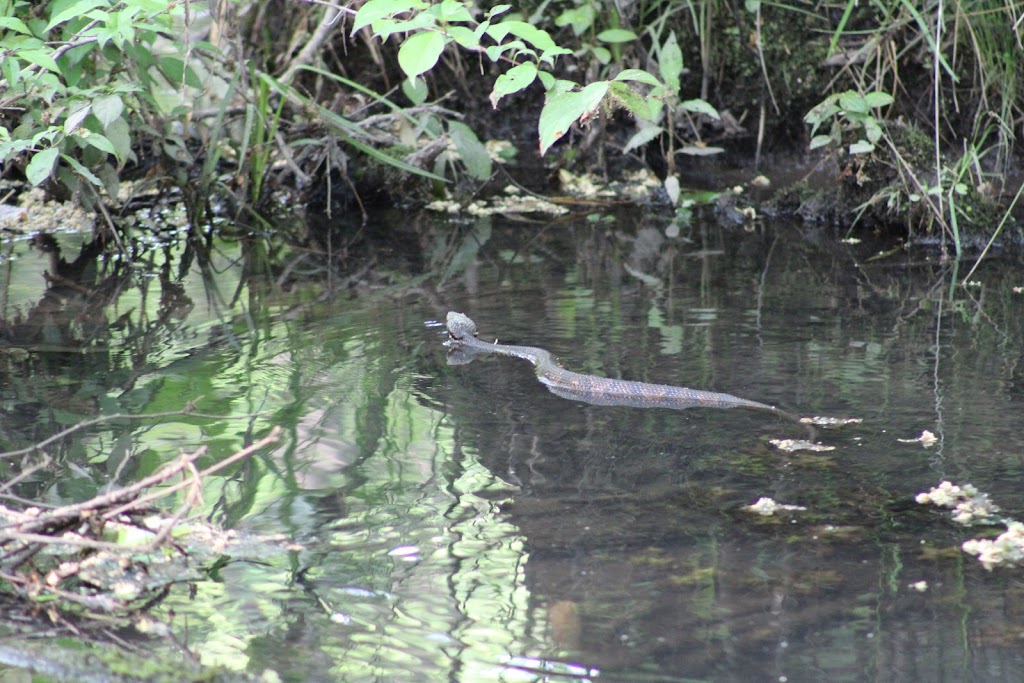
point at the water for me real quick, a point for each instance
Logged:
(462, 523)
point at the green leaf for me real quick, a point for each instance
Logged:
(861, 147)
(415, 89)
(851, 101)
(638, 75)
(14, 24)
(820, 141)
(108, 109)
(41, 58)
(520, 29)
(448, 11)
(118, 134)
(11, 69)
(98, 141)
(564, 109)
(82, 170)
(473, 153)
(383, 28)
(616, 35)
(642, 137)
(379, 9)
(878, 99)
(75, 118)
(41, 165)
(420, 52)
(465, 37)
(78, 9)
(872, 131)
(513, 80)
(498, 9)
(670, 63)
(700, 107)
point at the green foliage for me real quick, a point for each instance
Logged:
(850, 114)
(532, 53)
(69, 109)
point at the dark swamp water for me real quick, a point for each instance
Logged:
(462, 523)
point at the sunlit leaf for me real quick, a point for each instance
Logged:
(699, 106)
(41, 165)
(513, 80)
(564, 109)
(861, 147)
(379, 9)
(420, 52)
(670, 63)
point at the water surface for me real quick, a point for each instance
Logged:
(462, 523)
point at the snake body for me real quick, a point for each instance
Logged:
(603, 391)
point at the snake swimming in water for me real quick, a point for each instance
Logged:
(464, 345)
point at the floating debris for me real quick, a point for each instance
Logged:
(969, 505)
(831, 422)
(791, 445)
(919, 586)
(1007, 549)
(767, 507)
(927, 439)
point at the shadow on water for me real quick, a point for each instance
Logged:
(464, 523)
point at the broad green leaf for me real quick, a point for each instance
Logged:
(379, 9)
(700, 107)
(118, 134)
(11, 69)
(513, 80)
(638, 75)
(415, 89)
(820, 141)
(616, 35)
(383, 28)
(14, 24)
(473, 153)
(420, 52)
(861, 147)
(448, 11)
(42, 58)
(41, 165)
(851, 101)
(548, 56)
(78, 9)
(878, 99)
(546, 79)
(642, 137)
(872, 131)
(670, 63)
(96, 140)
(602, 54)
(498, 9)
(520, 29)
(564, 109)
(465, 37)
(82, 170)
(75, 118)
(108, 109)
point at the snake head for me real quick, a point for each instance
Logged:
(460, 326)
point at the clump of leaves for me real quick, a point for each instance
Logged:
(78, 78)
